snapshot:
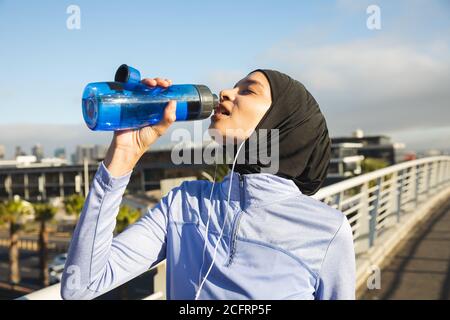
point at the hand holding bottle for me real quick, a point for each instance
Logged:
(128, 146)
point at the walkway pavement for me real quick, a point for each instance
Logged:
(420, 268)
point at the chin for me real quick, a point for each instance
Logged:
(216, 134)
(217, 128)
(220, 131)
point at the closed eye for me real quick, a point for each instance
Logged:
(247, 91)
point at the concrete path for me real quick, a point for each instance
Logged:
(420, 268)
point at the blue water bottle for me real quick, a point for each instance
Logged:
(126, 103)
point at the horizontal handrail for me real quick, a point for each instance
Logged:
(355, 181)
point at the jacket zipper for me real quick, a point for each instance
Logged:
(232, 245)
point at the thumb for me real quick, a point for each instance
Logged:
(151, 133)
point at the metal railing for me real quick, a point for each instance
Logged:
(379, 205)
(384, 205)
(376, 201)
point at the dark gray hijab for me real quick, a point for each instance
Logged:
(304, 146)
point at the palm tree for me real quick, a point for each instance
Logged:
(126, 216)
(74, 204)
(44, 212)
(372, 164)
(13, 212)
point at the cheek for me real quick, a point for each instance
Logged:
(249, 113)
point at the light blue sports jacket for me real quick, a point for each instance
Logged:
(276, 244)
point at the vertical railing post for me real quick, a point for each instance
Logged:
(373, 214)
(339, 197)
(416, 173)
(436, 175)
(362, 241)
(434, 178)
(391, 203)
(400, 192)
(429, 176)
(437, 178)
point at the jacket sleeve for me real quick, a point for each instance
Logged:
(337, 275)
(97, 262)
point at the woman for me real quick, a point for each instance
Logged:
(255, 235)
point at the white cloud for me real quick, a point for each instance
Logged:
(379, 85)
(224, 79)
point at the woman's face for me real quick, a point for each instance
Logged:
(241, 108)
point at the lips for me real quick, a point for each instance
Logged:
(222, 110)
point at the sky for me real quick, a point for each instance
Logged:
(393, 81)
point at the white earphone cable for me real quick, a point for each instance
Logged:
(207, 225)
(223, 226)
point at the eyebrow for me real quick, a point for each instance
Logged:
(250, 82)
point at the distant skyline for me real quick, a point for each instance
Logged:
(392, 81)
(78, 133)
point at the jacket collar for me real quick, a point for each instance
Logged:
(257, 189)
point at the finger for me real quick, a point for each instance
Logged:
(153, 82)
(150, 82)
(170, 111)
(162, 82)
(169, 117)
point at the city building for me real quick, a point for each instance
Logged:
(49, 179)
(83, 152)
(345, 162)
(55, 177)
(38, 152)
(27, 161)
(92, 153)
(19, 161)
(60, 153)
(100, 152)
(377, 146)
(19, 152)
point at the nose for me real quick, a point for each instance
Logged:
(226, 95)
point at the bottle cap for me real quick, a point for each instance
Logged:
(208, 101)
(127, 74)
